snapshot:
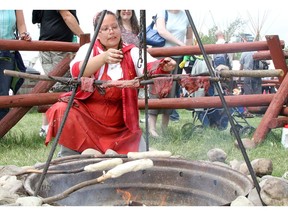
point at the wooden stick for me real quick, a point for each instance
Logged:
(70, 81)
(252, 73)
(75, 188)
(115, 172)
(49, 171)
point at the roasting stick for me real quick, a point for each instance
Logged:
(110, 83)
(115, 172)
(100, 166)
(103, 165)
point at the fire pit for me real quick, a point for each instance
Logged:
(170, 182)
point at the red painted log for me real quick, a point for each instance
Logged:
(29, 100)
(43, 45)
(284, 111)
(258, 109)
(165, 103)
(278, 122)
(266, 55)
(280, 97)
(210, 49)
(38, 45)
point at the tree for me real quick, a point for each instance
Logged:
(233, 30)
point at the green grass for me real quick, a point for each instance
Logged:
(197, 146)
(22, 146)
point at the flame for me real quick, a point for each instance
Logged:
(125, 195)
(163, 200)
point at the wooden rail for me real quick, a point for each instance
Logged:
(270, 49)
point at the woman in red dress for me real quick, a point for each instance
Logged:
(104, 121)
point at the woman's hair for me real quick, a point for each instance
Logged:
(96, 20)
(97, 16)
(133, 20)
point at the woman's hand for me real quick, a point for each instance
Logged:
(168, 64)
(113, 56)
(25, 36)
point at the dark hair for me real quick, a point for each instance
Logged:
(96, 21)
(133, 20)
(98, 15)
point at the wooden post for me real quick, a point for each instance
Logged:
(280, 97)
(17, 113)
(165, 103)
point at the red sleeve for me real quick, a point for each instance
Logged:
(75, 71)
(155, 68)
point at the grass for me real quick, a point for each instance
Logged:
(22, 146)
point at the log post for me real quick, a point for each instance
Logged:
(280, 97)
(35, 99)
(16, 114)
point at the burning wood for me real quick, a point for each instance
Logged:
(128, 198)
(134, 203)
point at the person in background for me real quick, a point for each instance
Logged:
(56, 25)
(224, 59)
(129, 26)
(11, 21)
(130, 30)
(220, 39)
(177, 32)
(104, 119)
(251, 85)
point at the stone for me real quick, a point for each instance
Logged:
(216, 154)
(275, 192)
(29, 201)
(241, 201)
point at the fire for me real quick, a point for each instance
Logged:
(163, 200)
(125, 195)
(130, 200)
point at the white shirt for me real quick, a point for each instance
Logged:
(114, 70)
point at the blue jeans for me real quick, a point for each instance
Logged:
(174, 115)
(7, 61)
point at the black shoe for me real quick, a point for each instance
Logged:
(174, 118)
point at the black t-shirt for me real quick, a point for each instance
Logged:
(53, 27)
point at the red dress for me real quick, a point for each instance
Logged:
(101, 122)
(97, 123)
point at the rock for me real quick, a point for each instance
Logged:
(241, 201)
(253, 196)
(285, 175)
(29, 201)
(275, 192)
(7, 197)
(261, 167)
(216, 154)
(11, 183)
(235, 164)
(247, 143)
(10, 170)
